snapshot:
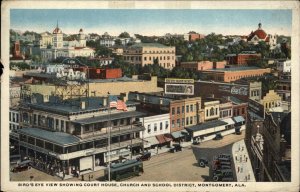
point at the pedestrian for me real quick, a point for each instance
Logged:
(243, 148)
(63, 177)
(249, 176)
(82, 178)
(241, 159)
(238, 169)
(239, 147)
(89, 177)
(236, 157)
(241, 169)
(246, 178)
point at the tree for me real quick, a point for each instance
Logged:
(124, 35)
(118, 42)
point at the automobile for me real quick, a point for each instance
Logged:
(23, 166)
(223, 175)
(238, 131)
(203, 162)
(175, 148)
(220, 166)
(196, 142)
(218, 136)
(223, 155)
(145, 156)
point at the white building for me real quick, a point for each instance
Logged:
(211, 110)
(284, 66)
(154, 125)
(52, 46)
(13, 119)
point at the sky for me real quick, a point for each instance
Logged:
(152, 21)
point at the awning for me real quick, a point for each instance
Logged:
(177, 134)
(164, 138)
(229, 121)
(151, 140)
(239, 119)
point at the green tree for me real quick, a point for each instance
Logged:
(124, 35)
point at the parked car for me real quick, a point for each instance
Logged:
(203, 162)
(196, 142)
(23, 166)
(145, 156)
(175, 148)
(223, 175)
(218, 136)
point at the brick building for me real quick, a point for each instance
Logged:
(243, 59)
(203, 65)
(149, 53)
(234, 73)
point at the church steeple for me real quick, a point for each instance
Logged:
(259, 25)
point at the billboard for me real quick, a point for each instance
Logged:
(179, 89)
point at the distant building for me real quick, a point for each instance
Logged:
(261, 35)
(193, 36)
(149, 53)
(243, 59)
(234, 73)
(50, 50)
(202, 65)
(13, 119)
(284, 87)
(284, 66)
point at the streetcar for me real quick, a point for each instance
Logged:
(124, 170)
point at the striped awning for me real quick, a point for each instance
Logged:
(239, 119)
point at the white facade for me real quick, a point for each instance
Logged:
(155, 125)
(13, 119)
(284, 66)
(211, 110)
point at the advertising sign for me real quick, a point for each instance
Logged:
(179, 89)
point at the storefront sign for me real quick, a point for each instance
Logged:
(183, 81)
(238, 90)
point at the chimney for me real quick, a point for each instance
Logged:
(82, 105)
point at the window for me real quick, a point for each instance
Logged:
(243, 110)
(155, 127)
(167, 125)
(206, 112)
(192, 108)
(195, 119)
(182, 121)
(62, 125)
(216, 111)
(211, 111)
(182, 110)
(187, 121)
(173, 123)
(191, 120)
(178, 122)
(178, 110)
(173, 111)
(187, 108)
(160, 126)
(10, 116)
(149, 128)
(145, 58)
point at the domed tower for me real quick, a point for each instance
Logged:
(57, 36)
(82, 40)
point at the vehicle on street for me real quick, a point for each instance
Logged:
(145, 156)
(196, 142)
(223, 175)
(218, 136)
(203, 162)
(22, 166)
(15, 159)
(176, 147)
(127, 169)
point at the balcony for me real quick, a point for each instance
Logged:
(114, 131)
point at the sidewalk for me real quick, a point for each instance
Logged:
(243, 168)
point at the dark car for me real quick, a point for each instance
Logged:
(203, 162)
(23, 166)
(175, 148)
(145, 156)
(223, 175)
(196, 142)
(218, 136)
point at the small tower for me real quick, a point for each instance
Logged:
(259, 25)
(82, 40)
(57, 37)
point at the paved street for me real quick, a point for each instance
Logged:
(180, 166)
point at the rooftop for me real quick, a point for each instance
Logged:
(158, 45)
(59, 138)
(207, 125)
(236, 69)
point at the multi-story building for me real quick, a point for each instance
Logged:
(243, 59)
(211, 110)
(234, 73)
(260, 35)
(284, 87)
(193, 36)
(75, 134)
(202, 65)
(150, 53)
(284, 66)
(13, 118)
(59, 48)
(185, 113)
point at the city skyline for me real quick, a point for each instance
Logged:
(141, 21)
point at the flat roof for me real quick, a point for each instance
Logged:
(113, 116)
(59, 138)
(206, 125)
(235, 69)
(149, 45)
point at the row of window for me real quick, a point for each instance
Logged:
(226, 113)
(211, 112)
(139, 51)
(182, 122)
(13, 117)
(187, 109)
(13, 127)
(155, 126)
(255, 93)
